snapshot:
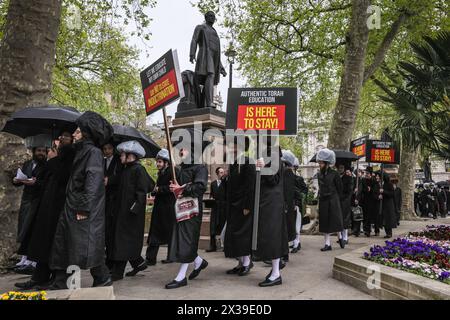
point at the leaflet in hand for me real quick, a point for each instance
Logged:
(21, 176)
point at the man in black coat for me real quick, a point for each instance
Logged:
(386, 195)
(112, 168)
(240, 198)
(301, 191)
(80, 233)
(218, 210)
(272, 242)
(129, 211)
(163, 214)
(346, 198)
(192, 180)
(330, 194)
(397, 200)
(40, 237)
(35, 171)
(442, 200)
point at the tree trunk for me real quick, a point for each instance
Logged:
(27, 57)
(407, 174)
(347, 106)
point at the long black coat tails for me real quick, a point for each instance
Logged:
(82, 242)
(346, 200)
(42, 231)
(330, 190)
(30, 197)
(129, 214)
(163, 214)
(389, 218)
(218, 211)
(113, 173)
(240, 195)
(272, 229)
(291, 195)
(186, 234)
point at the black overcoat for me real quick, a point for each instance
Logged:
(291, 195)
(129, 213)
(346, 200)
(272, 228)
(186, 234)
(113, 173)
(218, 211)
(163, 214)
(82, 242)
(31, 196)
(330, 190)
(51, 204)
(240, 195)
(388, 209)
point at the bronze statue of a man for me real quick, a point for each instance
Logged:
(208, 66)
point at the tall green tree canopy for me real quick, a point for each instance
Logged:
(303, 43)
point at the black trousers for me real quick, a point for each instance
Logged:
(388, 231)
(119, 266)
(356, 227)
(151, 253)
(41, 273)
(100, 274)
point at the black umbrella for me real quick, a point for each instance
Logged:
(342, 155)
(443, 183)
(50, 120)
(127, 133)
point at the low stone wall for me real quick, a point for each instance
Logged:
(394, 284)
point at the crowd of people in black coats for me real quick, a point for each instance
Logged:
(84, 204)
(432, 200)
(349, 201)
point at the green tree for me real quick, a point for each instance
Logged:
(94, 69)
(325, 48)
(418, 91)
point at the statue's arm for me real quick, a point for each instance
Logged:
(194, 42)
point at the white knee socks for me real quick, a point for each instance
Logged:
(327, 239)
(198, 262)
(182, 272)
(245, 261)
(345, 234)
(275, 269)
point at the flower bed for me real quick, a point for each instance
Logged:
(13, 295)
(426, 253)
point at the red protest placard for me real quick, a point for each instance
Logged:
(261, 117)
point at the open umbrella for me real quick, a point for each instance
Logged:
(49, 120)
(127, 133)
(342, 155)
(443, 183)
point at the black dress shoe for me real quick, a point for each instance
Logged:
(342, 243)
(211, 250)
(194, 274)
(165, 261)
(235, 270)
(326, 248)
(367, 234)
(297, 249)
(150, 262)
(176, 284)
(28, 270)
(116, 277)
(135, 271)
(245, 270)
(30, 284)
(103, 283)
(270, 283)
(388, 236)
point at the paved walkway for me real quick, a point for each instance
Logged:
(308, 275)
